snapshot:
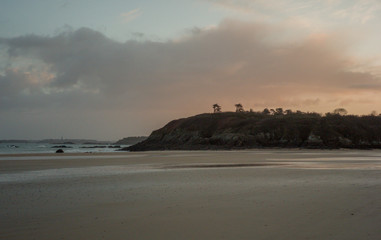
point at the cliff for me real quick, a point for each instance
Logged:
(130, 140)
(258, 130)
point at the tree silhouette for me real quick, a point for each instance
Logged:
(340, 111)
(239, 107)
(216, 108)
(288, 111)
(279, 111)
(266, 111)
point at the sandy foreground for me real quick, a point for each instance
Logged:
(259, 194)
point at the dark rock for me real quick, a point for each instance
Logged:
(60, 151)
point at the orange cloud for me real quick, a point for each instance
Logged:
(149, 83)
(131, 15)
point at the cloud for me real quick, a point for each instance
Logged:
(236, 6)
(355, 11)
(131, 15)
(141, 85)
(64, 4)
(360, 11)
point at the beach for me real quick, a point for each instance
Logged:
(248, 194)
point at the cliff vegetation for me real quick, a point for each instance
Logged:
(267, 129)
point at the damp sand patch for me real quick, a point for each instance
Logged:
(224, 165)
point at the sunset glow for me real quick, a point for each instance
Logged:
(107, 70)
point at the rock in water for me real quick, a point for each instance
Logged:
(60, 151)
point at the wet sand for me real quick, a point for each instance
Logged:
(259, 194)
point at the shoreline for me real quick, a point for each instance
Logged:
(292, 158)
(52, 154)
(195, 150)
(124, 152)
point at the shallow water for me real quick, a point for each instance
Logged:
(18, 148)
(63, 157)
(70, 173)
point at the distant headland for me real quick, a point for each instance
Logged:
(270, 128)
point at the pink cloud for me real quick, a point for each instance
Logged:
(149, 83)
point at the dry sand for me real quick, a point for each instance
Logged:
(259, 194)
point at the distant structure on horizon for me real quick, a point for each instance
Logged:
(216, 108)
(280, 111)
(239, 108)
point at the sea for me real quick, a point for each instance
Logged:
(19, 148)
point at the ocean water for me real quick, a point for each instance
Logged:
(15, 148)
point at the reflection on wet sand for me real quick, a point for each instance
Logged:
(256, 194)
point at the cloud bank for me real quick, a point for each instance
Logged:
(134, 87)
(354, 11)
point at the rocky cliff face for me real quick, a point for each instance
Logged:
(258, 130)
(130, 140)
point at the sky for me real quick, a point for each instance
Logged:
(111, 69)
